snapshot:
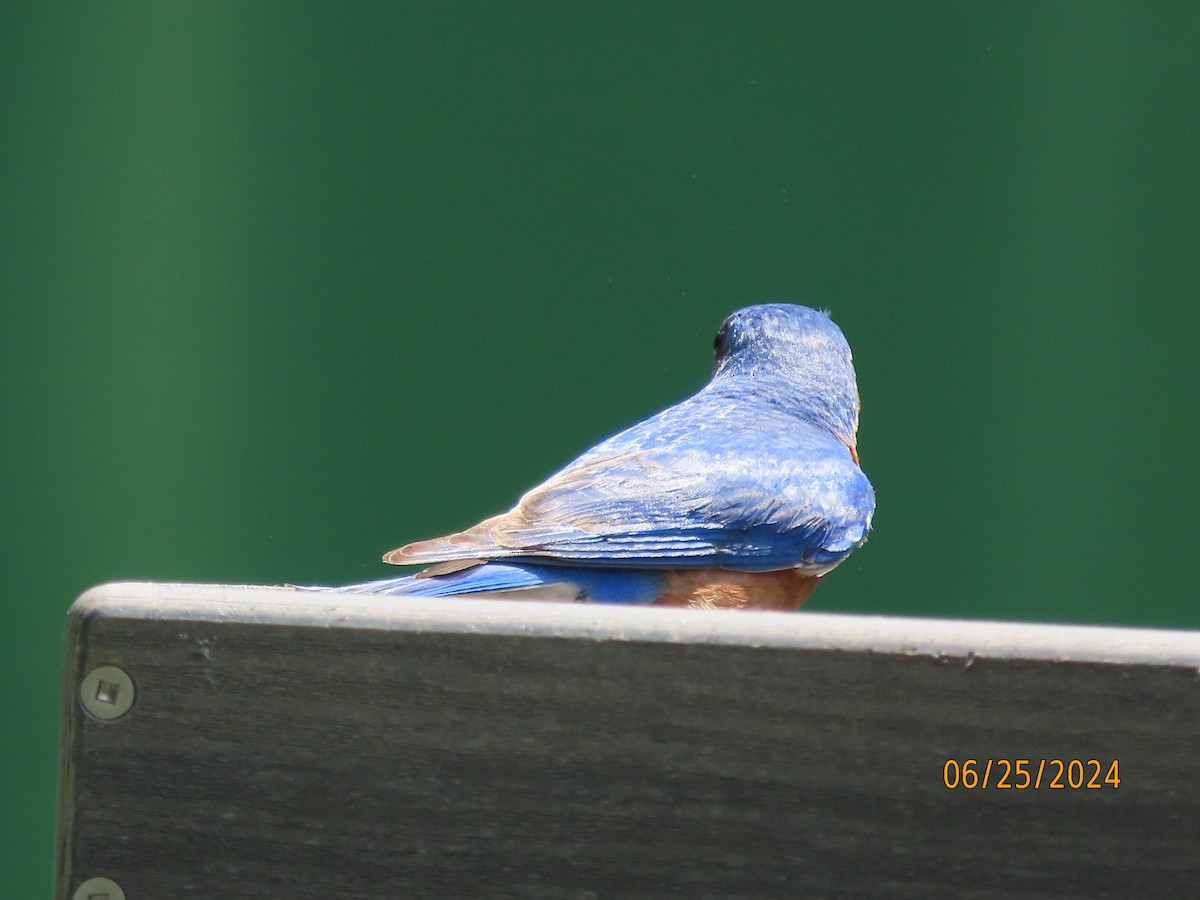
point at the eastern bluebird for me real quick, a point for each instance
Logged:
(742, 496)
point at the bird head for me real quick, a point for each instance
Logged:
(795, 358)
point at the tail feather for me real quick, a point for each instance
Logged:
(524, 581)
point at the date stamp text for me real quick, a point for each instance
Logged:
(1031, 774)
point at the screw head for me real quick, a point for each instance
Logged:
(98, 889)
(107, 693)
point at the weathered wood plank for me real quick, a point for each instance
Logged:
(285, 744)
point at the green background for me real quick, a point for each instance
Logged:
(286, 285)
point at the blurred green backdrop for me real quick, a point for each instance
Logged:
(289, 284)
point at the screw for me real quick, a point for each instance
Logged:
(107, 693)
(98, 889)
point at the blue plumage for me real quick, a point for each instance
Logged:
(757, 472)
(530, 581)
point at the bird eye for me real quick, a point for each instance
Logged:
(720, 341)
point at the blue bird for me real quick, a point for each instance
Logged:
(742, 496)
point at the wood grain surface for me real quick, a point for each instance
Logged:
(292, 745)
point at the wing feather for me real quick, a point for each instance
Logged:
(691, 504)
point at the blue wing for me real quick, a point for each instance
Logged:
(703, 483)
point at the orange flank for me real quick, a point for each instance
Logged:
(722, 589)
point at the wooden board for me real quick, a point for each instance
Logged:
(298, 745)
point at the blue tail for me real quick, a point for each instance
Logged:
(523, 581)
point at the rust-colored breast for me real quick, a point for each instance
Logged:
(722, 589)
